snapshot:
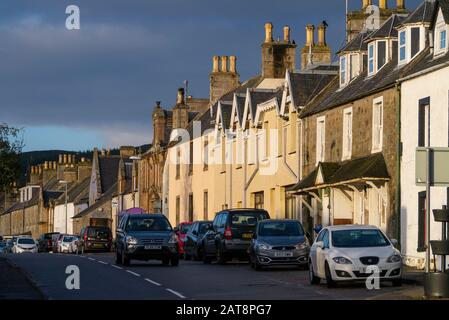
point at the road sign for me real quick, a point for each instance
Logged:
(439, 169)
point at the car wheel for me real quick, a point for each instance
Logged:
(198, 256)
(257, 265)
(397, 282)
(221, 259)
(312, 278)
(330, 282)
(206, 259)
(186, 257)
(165, 261)
(125, 260)
(118, 257)
(82, 250)
(174, 260)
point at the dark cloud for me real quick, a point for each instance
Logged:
(130, 53)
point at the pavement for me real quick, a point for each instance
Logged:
(101, 278)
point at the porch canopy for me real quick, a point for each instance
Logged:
(360, 171)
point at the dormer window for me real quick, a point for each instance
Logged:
(411, 42)
(381, 54)
(402, 46)
(349, 67)
(440, 35)
(443, 36)
(377, 56)
(343, 70)
(371, 59)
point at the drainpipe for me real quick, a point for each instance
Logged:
(398, 161)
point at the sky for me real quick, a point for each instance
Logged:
(97, 86)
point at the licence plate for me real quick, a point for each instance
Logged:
(152, 247)
(247, 235)
(98, 245)
(283, 254)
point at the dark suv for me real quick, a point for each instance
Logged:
(231, 233)
(46, 241)
(94, 238)
(146, 237)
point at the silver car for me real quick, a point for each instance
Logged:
(279, 242)
(68, 244)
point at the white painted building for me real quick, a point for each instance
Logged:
(61, 219)
(425, 89)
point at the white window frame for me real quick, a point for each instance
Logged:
(371, 59)
(343, 70)
(353, 75)
(320, 139)
(377, 52)
(440, 39)
(347, 134)
(378, 124)
(402, 46)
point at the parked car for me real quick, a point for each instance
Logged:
(8, 246)
(45, 241)
(94, 238)
(194, 239)
(3, 248)
(279, 242)
(343, 253)
(146, 237)
(68, 244)
(181, 232)
(56, 242)
(24, 245)
(231, 233)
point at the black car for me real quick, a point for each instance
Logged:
(94, 238)
(45, 241)
(193, 245)
(231, 233)
(146, 237)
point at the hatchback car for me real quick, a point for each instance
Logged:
(194, 238)
(94, 238)
(231, 233)
(68, 244)
(279, 242)
(181, 232)
(24, 245)
(345, 253)
(146, 237)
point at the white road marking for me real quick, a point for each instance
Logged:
(91, 259)
(102, 262)
(133, 273)
(153, 282)
(117, 267)
(175, 293)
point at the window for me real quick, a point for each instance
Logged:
(443, 40)
(371, 59)
(343, 70)
(205, 204)
(259, 200)
(267, 139)
(415, 41)
(354, 65)
(423, 118)
(178, 164)
(320, 139)
(421, 221)
(206, 154)
(178, 209)
(377, 125)
(191, 207)
(347, 134)
(402, 46)
(381, 54)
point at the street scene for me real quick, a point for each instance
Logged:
(266, 160)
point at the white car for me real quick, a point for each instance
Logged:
(344, 253)
(24, 244)
(68, 244)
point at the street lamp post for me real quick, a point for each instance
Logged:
(137, 158)
(65, 202)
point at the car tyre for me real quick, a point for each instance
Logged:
(125, 260)
(206, 259)
(186, 257)
(165, 261)
(397, 282)
(312, 278)
(221, 259)
(174, 260)
(330, 282)
(118, 258)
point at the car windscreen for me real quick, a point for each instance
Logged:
(184, 228)
(359, 238)
(25, 241)
(68, 239)
(281, 229)
(147, 224)
(98, 233)
(247, 218)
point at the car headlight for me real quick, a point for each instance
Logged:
(302, 245)
(263, 246)
(394, 258)
(342, 260)
(131, 240)
(173, 239)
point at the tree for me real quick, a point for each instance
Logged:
(11, 144)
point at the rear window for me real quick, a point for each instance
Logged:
(68, 239)
(280, 229)
(98, 233)
(247, 218)
(25, 241)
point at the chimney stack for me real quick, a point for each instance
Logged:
(216, 61)
(65, 159)
(268, 32)
(224, 64)
(322, 35)
(180, 99)
(400, 4)
(40, 169)
(383, 4)
(287, 34)
(60, 159)
(366, 3)
(232, 65)
(310, 35)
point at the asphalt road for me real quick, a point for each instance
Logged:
(100, 278)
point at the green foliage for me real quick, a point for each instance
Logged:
(11, 144)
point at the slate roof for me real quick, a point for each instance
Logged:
(388, 28)
(258, 96)
(241, 98)
(444, 5)
(356, 44)
(226, 110)
(108, 167)
(76, 192)
(105, 197)
(428, 62)
(369, 167)
(422, 14)
(305, 85)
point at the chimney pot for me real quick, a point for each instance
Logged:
(287, 34)
(216, 61)
(224, 64)
(65, 159)
(400, 4)
(46, 165)
(366, 3)
(322, 35)
(180, 99)
(60, 158)
(268, 32)
(383, 4)
(232, 64)
(310, 35)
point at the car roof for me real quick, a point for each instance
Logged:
(278, 220)
(146, 215)
(352, 227)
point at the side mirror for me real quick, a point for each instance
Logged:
(319, 244)
(395, 244)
